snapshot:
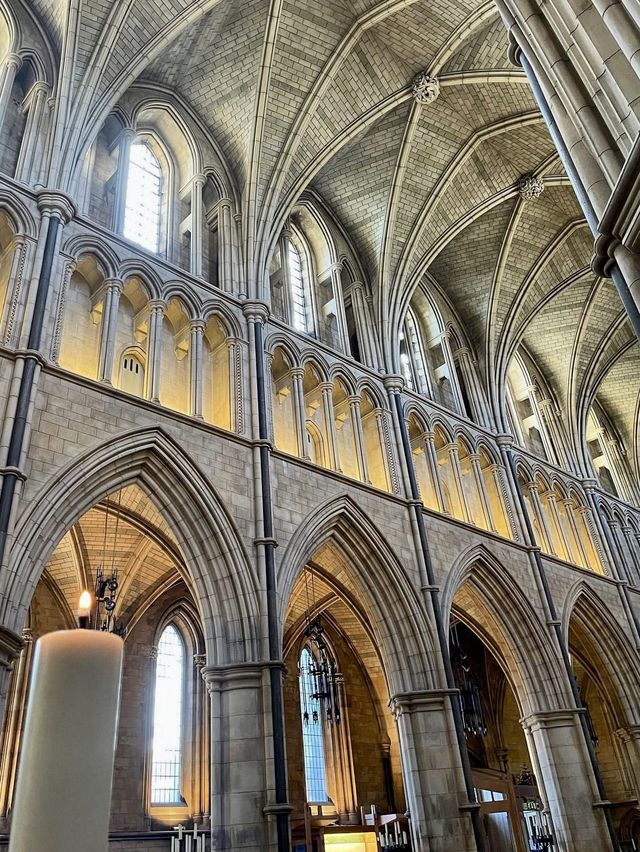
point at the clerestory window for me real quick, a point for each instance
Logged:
(143, 201)
(167, 747)
(298, 296)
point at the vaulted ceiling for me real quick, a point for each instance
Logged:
(301, 95)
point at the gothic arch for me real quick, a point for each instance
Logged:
(615, 669)
(396, 613)
(509, 626)
(83, 244)
(219, 576)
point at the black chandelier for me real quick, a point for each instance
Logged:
(469, 696)
(320, 680)
(106, 586)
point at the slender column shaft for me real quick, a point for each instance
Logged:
(354, 406)
(196, 332)
(330, 424)
(124, 154)
(27, 161)
(486, 508)
(225, 246)
(154, 351)
(113, 289)
(7, 78)
(196, 225)
(454, 461)
(297, 376)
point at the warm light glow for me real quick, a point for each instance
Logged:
(84, 607)
(351, 842)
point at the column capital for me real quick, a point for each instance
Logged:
(295, 372)
(157, 305)
(394, 382)
(255, 310)
(199, 180)
(13, 60)
(563, 717)
(197, 325)
(326, 386)
(504, 440)
(57, 203)
(419, 701)
(200, 661)
(113, 284)
(10, 646)
(237, 675)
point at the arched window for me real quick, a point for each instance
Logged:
(167, 748)
(143, 198)
(315, 771)
(298, 297)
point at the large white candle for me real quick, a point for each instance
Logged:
(63, 792)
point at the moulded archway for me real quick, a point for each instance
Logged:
(218, 570)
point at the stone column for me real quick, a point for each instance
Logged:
(577, 538)
(572, 799)
(330, 424)
(354, 408)
(14, 289)
(630, 738)
(283, 244)
(239, 759)
(154, 349)
(550, 497)
(479, 480)
(124, 153)
(16, 706)
(477, 399)
(539, 515)
(35, 103)
(632, 545)
(432, 772)
(432, 459)
(196, 332)
(113, 289)
(225, 245)
(196, 225)
(454, 460)
(10, 646)
(336, 286)
(551, 419)
(362, 329)
(297, 376)
(8, 73)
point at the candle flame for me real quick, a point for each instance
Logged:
(85, 602)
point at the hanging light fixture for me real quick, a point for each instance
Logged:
(320, 680)
(106, 586)
(470, 698)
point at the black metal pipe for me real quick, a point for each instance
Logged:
(19, 426)
(578, 187)
(277, 704)
(443, 639)
(557, 626)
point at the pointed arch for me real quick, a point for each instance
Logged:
(219, 575)
(614, 668)
(399, 623)
(512, 630)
